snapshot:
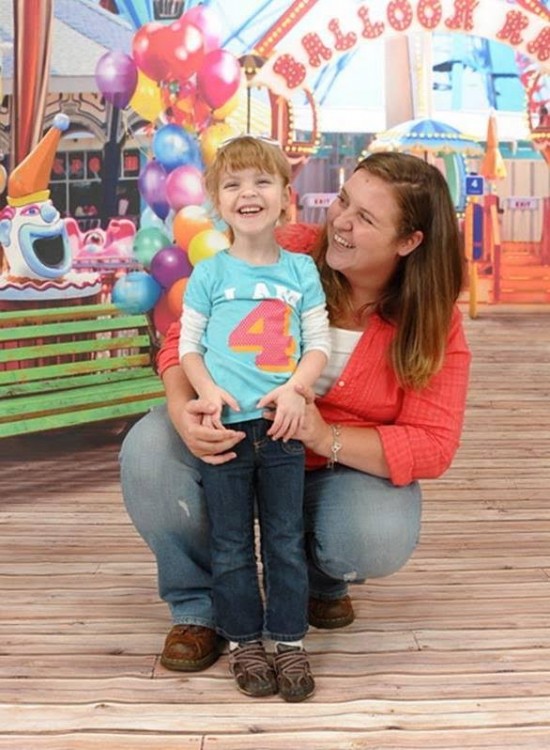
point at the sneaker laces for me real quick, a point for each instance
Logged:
(292, 663)
(250, 657)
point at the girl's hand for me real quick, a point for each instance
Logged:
(290, 408)
(218, 398)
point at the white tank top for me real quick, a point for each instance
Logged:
(343, 342)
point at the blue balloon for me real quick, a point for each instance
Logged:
(136, 292)
(174, 147)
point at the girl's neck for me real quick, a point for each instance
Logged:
(259, 251)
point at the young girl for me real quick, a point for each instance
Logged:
(254, 327)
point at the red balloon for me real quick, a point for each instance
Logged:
(184, 49)
(219, 77)
(149, 50)
(163, 317)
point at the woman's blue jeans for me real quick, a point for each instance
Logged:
(357, 526)
(268, 475)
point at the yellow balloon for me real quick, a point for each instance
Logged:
(226, 109)
(206, 244)
(147, 99)
(3, 178)
(212, 137)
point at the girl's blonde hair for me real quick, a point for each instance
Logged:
(421, 294)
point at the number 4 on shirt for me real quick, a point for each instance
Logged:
(266, 330)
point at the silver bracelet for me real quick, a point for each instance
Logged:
(336, 445)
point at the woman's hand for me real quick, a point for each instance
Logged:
(211, 445)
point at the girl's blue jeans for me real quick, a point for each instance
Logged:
(267, 475)
(357, 526)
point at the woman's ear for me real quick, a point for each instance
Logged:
(410, 243)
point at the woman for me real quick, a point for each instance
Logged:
(391, 412)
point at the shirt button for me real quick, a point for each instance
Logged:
(341, 383)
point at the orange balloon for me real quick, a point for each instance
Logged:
(212, 137)
(189, 221)
(174, 297)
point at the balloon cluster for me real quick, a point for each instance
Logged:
(179, 79)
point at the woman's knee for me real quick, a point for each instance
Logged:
(369, 531)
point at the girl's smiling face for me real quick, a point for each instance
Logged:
(251, 200)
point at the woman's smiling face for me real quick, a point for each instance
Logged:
(363, 225)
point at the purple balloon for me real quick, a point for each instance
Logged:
(184, 187)
(170, 264)
(116, 76)
(152, 188)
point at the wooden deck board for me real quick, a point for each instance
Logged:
(453, 651)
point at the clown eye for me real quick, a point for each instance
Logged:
(30, 211)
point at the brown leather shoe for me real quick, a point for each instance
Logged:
(190, 648)
(330, 613)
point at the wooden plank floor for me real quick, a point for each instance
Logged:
(451, 652)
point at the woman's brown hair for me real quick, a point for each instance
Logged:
(420, 296)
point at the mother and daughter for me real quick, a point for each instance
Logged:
(310, 391)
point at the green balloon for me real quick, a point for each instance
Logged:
(147, 243)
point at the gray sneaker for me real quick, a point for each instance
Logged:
(294, 678)
(252, 672)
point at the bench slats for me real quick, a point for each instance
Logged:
(97, 414)
(66, 366)
(41, 315)
(81, 346)
(78, 398)
(13, 382)
(77, 381)
(73, 328)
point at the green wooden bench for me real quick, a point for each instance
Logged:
(68, 366)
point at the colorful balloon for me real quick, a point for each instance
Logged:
(116, 76)
(206, 244)
(173, 147)
(170, 264)
(147, 101)
(184, 187)
(212, 137)
(162, 315)
(209, 22)
(136, 292)
(219, 77)
(152, 188)
(184, 49)
(174, 297)
(189, 221)
(147, 243)
(148, 50)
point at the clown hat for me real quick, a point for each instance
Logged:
(28, 182)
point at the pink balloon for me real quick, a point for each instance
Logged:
(208, 21)
(184, 187)
(219, 77)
